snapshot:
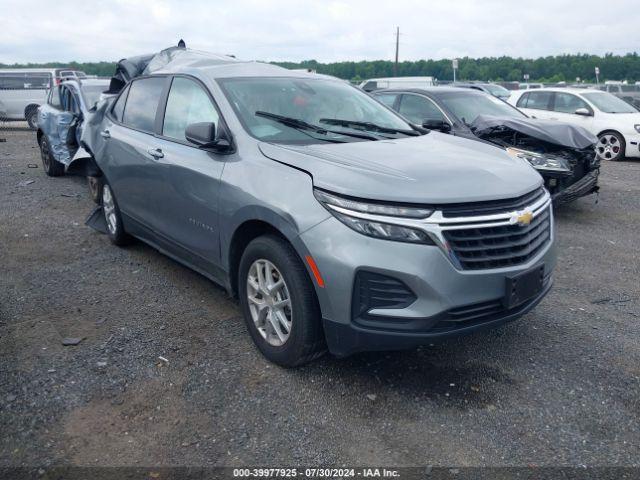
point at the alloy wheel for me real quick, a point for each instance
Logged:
(109, 209)
(608, 147)
(269, 302)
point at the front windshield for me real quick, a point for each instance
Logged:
(308, 100)
(468, 106)
(608, 103)
(497, 90)
(91, 93)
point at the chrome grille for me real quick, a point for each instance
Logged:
(499, 246)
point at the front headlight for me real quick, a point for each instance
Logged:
(353, 214)
(540, 161)
(637, 127)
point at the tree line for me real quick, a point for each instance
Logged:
(544, 69)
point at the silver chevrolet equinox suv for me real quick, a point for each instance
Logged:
(337, 224)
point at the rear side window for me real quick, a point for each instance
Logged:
(387, 98)
(142, 103)
(118, 108)
(536, 100)
(187, 103)
(568, 103)
(418, 109)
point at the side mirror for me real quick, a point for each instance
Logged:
(203, 134)
(440, 125)
(583, 111)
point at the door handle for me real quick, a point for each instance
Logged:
(105, 134)
(155, 153)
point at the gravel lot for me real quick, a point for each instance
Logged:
(559, 387)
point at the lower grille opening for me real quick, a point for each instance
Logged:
(479, 313)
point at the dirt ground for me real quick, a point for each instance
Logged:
(561, 386)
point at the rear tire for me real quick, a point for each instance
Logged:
(611, 146)
(51, 166)
(113, 218)
(266, 321)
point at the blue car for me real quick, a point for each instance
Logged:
(60, 123)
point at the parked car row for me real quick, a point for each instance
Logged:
(338, 223)
(23, 90)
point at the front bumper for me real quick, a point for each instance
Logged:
(442, 292)
(346, 339)
(585, 186)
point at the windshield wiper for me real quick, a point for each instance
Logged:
(302, 125)
(368, 126)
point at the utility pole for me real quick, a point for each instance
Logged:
(395, 65)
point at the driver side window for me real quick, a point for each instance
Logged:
(187, 103)
(568, 103)
(418, 109)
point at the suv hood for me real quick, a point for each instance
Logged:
(434, 168)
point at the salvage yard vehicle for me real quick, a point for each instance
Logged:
(337, 224)
(563, 154)
(60, 124)
(530, 86)
(22, 91)
(613, 121)
(396, 82)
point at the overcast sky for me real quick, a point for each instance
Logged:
(85, 30)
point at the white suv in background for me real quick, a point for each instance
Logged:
(612, 120)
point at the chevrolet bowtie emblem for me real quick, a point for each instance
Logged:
(522, 218)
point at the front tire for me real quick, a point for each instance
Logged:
(115, 227)
(279, 303)
(51, 166)
(611, 146)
